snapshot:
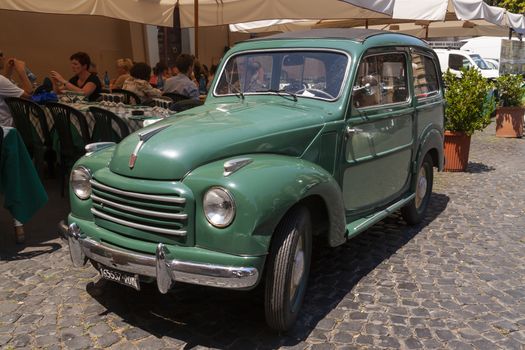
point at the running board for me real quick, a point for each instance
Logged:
(356, 227)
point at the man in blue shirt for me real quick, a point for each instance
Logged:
(181, 83)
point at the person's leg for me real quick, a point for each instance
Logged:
(19, 232)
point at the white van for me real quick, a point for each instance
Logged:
(457, 59)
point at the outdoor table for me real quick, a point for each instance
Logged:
(23, 192)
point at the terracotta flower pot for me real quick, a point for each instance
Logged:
(457, 148)
(509, 121)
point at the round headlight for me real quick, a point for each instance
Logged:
(79, 180)
(219, 207)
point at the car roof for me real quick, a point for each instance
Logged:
(353, 34)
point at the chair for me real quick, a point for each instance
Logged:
(104, 130)
(186, 104)
(175, 96)
(30, 121)
(73, 134)
(130, 98)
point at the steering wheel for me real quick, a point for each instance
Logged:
(316, 92)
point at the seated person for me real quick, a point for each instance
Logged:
(123, 67)
(9, 89)
(181, 83)
(255, 80)
(161, 73)
(83, 81)
(138, 82)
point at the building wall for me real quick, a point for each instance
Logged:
(45, 41)
(212, 41)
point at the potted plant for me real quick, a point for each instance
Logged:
(469, 106)
(510, 111)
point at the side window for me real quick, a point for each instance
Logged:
(425, 76)
(381, 79)
(458, 61)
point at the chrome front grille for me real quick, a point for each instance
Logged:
(150, 213)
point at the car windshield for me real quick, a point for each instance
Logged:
(479, 62)
(312, 74)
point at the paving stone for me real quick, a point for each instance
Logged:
(108, 339)
(20, 341)
(4, 339)
(135, 333)
(46, 340)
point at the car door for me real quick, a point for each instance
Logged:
(428, 98)
(379, 134)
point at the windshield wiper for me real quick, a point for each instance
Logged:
(283, 93)
(236, 91)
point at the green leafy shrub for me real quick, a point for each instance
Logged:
(469, 101)
(510, 90)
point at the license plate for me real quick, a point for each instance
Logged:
(121, 277)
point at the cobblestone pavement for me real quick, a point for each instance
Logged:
(455, 282)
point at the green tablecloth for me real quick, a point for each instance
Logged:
(19, 181)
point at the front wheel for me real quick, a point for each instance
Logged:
(415, 210)
(288, 268)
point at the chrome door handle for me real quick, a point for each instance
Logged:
(350, 131)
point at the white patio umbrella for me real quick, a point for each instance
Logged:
(427, 29)
(205, 13)
(154, 12)
(439, 10)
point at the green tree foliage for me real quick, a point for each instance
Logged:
(510, 90)
(469, 104)
(516, 6)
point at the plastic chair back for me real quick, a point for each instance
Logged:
(130, 98)
(104, 126)
(28, 117)
(64, 118)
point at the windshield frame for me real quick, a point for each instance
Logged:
(344, 82)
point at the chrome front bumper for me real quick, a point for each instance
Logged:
(165, 271)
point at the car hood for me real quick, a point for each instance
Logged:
(217, 131)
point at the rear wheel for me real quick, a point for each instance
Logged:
(288, 268)
(415, 210)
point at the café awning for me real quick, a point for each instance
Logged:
(213, 12)
(154, 12)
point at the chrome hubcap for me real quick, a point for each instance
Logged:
(297, 269)
(421, 188)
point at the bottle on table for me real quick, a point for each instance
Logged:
(31, 76)
(106, 80)
(160, 82)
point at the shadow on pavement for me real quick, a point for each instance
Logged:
(220, 318)
(12, 254)
(477, 168)
(42, 227)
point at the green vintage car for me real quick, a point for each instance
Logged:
(318, 133)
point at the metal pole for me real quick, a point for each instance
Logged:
(196, 24)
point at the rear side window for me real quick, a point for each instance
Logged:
(458, 61)
(381, 79)
(425, 76)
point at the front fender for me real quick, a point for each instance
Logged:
(264, 191)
